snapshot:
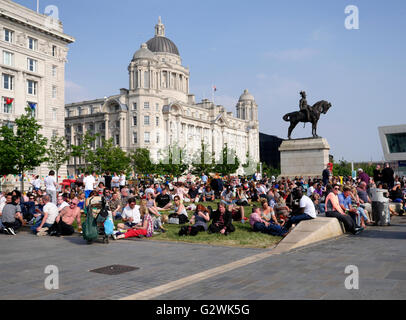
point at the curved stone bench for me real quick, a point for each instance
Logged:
(311, 231)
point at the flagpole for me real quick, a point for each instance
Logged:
(37, 6)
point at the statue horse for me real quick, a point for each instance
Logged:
(300, 116)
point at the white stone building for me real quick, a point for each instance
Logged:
(157, 110)
(32, 67)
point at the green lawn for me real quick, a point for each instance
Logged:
(242, 237)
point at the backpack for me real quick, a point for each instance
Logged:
(89, 228)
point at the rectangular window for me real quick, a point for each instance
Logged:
(157, 121)
(54, 114)
(32, 65)
(135, 120)
(8, 82)
(118, 124)
(8, 58)
(117, 139)
(8, 35)
(54, 51)
(157, 107)
(147, 137)
(32, 44)
(79, 111)
(146, 120)
(134, 106)
(157, 137)
(32, 87)
(396, 142)
(54, 133)
(135, 138)
(54, 91)
(91, 110)
(54, 71)
(146, 105)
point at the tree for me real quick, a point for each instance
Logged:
(57, 154)
(203, 160)
(250, 167)
(174, 161)
(228, 163)
(26, 149)
(108, 157)
(141, 161)
(84, 149)
(343, 168)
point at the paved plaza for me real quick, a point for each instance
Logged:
(314, 272)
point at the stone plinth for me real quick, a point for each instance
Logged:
(304, 157)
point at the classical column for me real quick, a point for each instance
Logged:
(106, 124)
(122, 131)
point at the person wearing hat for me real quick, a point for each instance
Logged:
(63, 222)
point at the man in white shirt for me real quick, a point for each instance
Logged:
(50, 185)
(122, 180)
(89, 181)
(131, 215)
(307, 209)
(36, 184)
(50, 213)
(310, 190)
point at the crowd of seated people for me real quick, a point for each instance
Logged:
(143, 206)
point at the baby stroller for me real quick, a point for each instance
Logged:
(97, 224)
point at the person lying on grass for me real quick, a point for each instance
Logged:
(146, 229)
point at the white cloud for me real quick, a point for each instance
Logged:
(292, 54)
(75, 92)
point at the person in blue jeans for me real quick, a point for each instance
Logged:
(260, 225)
(307, 209)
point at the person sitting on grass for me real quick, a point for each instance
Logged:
(149, 204)
(267, 213)
(222, 221)
(237, 213)
(131, 215)
(260, 225)
(50, 212)
(11, 216)
(207, 194)
(63, 222)
(145, 229)
(198, 222)
(180, 211)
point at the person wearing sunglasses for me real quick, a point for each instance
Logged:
(334, 210)
(64, 221)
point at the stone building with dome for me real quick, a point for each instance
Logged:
(158, 110)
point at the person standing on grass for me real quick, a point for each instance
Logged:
(50, 185)
(89, 182)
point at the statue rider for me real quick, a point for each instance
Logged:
(304, 106)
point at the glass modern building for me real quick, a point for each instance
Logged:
(393, 140)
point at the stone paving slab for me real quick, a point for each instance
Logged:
(317, 271)
(313, 272)
(23, 259)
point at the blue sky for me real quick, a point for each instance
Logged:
(274, 49)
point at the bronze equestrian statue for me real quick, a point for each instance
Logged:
(307, 114)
